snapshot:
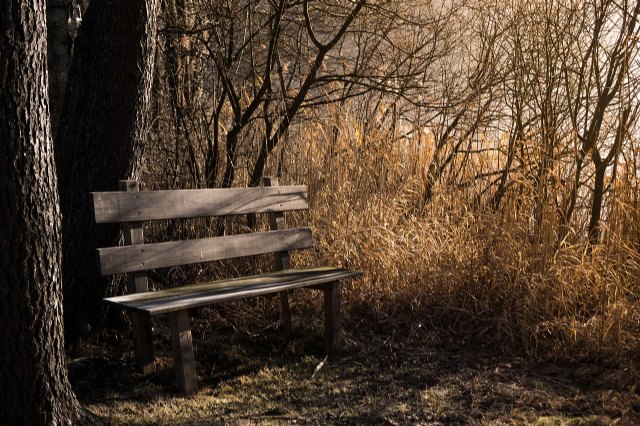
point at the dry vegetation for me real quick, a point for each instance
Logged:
(458, 265)
(464, 315)
(468, 200)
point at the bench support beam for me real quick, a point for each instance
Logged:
(137, 283)
(332, 319)
(282, 261)
(143, 342)
(285, 309)
(183, 358)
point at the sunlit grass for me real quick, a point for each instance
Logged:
(458, 265)
(454, 264)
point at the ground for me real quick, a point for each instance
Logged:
(382, 377)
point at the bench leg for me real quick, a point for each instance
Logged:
(332, 319)
(143, 342)
(183, 358)
(286, 313)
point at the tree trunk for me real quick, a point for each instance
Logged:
(596, 205)
(569, 206)
(63, 19)
(101, 136)
(33, 376)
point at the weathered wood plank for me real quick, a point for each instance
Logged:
(137, 283)
(143, 342)
(193, 296)
(277, 223)
(282, 261)
(183, 359)
(111, 207)
(332, 319)
(115, 260)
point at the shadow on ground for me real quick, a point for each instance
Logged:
(265, 379)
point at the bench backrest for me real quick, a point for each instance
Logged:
(132, 207)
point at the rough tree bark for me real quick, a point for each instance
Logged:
(33, 376)
(101, 137)
(63, 20)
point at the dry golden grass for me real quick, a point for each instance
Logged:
(460, 266)
(457, 265)
(436, 278)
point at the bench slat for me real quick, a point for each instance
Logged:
(116, 260)
(197, 295)
(122, 206)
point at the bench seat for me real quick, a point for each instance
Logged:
(203, 294)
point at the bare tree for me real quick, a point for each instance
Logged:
(598, 84)
(273, 60)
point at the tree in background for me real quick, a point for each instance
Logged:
(63, 20)
(101, 137)
(33, 374)
(602, 93)
(241, 74)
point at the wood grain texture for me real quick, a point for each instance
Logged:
(277, 223)
(332, 319)
(183, 358)
(193, 296)
(282, 260)
(143, 342)
(112, 207)
(115, 260)
(137, 283)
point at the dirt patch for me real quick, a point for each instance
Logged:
(263, 378)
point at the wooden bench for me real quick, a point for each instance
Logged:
(132, 207)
